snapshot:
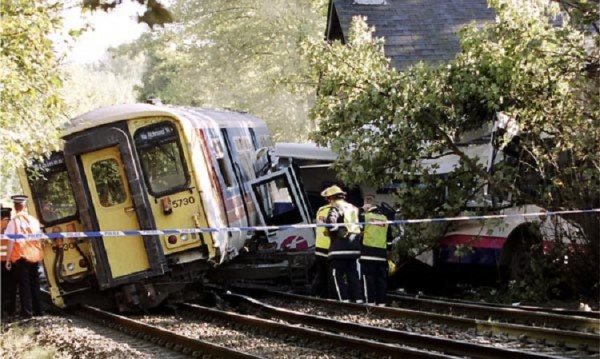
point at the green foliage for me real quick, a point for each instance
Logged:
(110, 82)
(155, 14)
(560, 273)
(31, 107)
(241, 55)
(532, 65)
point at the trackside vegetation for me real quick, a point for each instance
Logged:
(537, 65)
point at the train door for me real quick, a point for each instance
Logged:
(281, 201)
(231, 197)
(111, 197)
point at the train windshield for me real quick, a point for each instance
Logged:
(53, 194)
(162, 159)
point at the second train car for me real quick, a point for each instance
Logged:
(152, 167)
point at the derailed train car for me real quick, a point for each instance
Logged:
(498, 246)
(147, 167)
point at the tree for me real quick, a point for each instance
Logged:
(240, 55)
(532, 65)
(31, 108)
(155, 14)
(112, 81)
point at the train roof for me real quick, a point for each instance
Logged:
(196, 116)
(304, 151)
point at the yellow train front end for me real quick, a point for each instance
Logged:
(124, 176)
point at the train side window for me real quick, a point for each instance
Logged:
(253, 137)
(162, 159)
(52, 191)
(224, 171)
(109, 185)
(220, 156)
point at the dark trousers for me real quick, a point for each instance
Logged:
(321, 284)
(346, 278)
(9, 291)
(29, 287)
(374, 276)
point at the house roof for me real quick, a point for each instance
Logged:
(414, 30)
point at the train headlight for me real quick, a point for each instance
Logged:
(184, 237)
(172, 239)
(70, 267)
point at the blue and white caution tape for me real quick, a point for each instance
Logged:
(272, 228)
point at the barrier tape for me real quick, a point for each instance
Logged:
(59, 235)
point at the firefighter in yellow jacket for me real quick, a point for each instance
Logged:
(321, 285)
(25, 255)
(377, 238)
(344, 251)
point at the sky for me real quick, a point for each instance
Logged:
(109, 29)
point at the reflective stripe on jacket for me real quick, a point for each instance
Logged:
(322, 242)
(29, 249)
(3, 249)
(375, 237)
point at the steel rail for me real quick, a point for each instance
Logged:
(385, 349)
(530, 308)
(427, 342)
(571, 339)
(188, 345)
(505, 314)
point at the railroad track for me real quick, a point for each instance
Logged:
(325, 336)
(199, 348)
(159, 336)
(457, 303)
(189, 347)
(501, 313)
(567, 343)
(354, 346)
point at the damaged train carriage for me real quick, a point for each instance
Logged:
(165, 168)
(499, 246)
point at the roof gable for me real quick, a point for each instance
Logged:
(414, 30)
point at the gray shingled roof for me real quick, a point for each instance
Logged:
(414, 30)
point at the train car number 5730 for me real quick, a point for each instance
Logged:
(183, 201)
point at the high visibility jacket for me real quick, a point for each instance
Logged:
(344, 212)
(345, 241)
(375, 236)
(322, 241)
(29, 249)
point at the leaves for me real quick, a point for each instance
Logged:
(31, 107)
(155, 14)
(528, 65)
(241, 55)
(87, 87)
